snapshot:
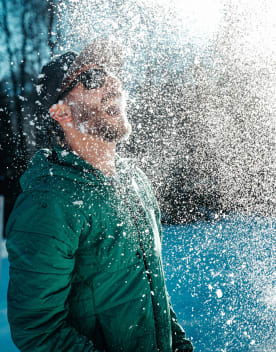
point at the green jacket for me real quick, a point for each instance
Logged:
(85, 261)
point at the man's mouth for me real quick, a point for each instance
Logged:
(113, 110)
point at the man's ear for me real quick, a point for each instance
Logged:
(61, 112)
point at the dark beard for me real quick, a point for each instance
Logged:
(91, 122)
(109, 132)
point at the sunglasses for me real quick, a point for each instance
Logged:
(91, 79)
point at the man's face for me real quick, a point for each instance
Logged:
(100, 111)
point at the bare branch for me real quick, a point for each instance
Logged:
(51, 42)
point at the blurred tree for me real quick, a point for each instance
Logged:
(30, 36)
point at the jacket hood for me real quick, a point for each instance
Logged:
(65, 164)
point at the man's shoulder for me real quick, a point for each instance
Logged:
(132, 165)
(136, 171)
(52, 169)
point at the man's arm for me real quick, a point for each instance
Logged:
(179, 342)
(41, 244)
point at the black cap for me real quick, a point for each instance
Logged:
(51, 78)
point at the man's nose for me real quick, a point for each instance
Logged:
(112, 82)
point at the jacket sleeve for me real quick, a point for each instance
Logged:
(41, 242)
(179, 342)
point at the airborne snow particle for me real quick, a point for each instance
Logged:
(38, 88)
(219, 293)
(78, 202)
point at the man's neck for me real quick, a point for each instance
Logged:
(94, 150)
(100, 154)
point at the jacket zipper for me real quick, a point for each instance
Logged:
(145, 263)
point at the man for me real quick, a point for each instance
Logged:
(83, 238)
